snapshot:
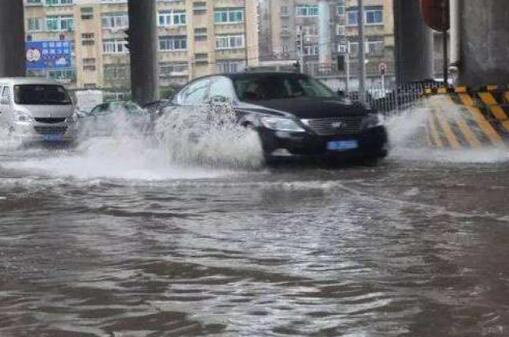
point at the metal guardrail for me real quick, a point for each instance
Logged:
(394, 100)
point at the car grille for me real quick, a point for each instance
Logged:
(50, 130)
(346, 125)
(50, 120)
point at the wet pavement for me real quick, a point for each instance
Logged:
(93, 245)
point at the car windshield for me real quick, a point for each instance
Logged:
(277, 86)
(41, 94)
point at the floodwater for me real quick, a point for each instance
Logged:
(120, 238)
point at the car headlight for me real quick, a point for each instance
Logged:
(372, 120)
(73, 118)
(23, 117)
(281, 124)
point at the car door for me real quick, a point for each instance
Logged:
(222, 98)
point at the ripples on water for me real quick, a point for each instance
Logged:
(115, 239)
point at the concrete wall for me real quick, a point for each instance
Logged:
(12, 38)
(414, 43)
(484, 42)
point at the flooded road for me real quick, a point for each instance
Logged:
(119, 243)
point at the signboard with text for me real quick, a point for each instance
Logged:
(48, 54)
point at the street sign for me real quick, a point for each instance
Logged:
(382, 69)
(48, 54)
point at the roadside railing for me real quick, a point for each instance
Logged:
(393, 100)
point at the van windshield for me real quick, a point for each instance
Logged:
(41, 94)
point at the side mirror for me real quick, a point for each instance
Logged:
(219, 100)
(4, 101)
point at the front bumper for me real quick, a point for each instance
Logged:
(372, 143)
(33, 132)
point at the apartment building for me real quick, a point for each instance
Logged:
(195, 38)
(283, 21)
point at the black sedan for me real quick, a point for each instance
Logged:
(294, 114)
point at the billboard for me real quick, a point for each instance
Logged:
(48, 54)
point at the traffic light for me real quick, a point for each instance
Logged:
(127, 38)
(341, 62)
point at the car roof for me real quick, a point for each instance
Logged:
(257, 74)
(249, 74)
(28, 80)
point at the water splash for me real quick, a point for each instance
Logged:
(122, 147)
(209, 136)
(408, 135)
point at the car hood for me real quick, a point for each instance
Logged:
(313, 107)
(47, 111)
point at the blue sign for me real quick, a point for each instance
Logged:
(48, 54)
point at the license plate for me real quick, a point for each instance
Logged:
(53, 138)
(342, 145)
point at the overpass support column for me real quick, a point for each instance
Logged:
(484, 42)
(12, 38)
(414, 43)
(143, 47)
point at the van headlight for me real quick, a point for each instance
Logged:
(372, 121)
(73, 118)
(281, 124)
(23, 117)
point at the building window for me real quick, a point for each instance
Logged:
(35, 24)
(173, 69)
(170, 43)
(87, 39)
(352, 18)
(115, 20)
(172, 18)
(229, 15)
(34, 2)
(115, 46)
(374, 17)
(340, 10)
(60, 23)
(306, 10)
(199, 7)
(116, 71)
(87, 13)
(58, 2)
(229, 41)
(230, 66)
(311, 50)
(89, 64)
(65, 75)
(371, 17)
(200, 34)
(340, 30)
(375, 48)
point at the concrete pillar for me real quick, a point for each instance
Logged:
(12, 38)
(324, 31)
(484, 42)
(143, 48)
(414, 43)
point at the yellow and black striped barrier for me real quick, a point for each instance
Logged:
(462, 118)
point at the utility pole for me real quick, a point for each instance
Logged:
(143, 48)
(245, 36)
(12, 38)
(362, 52)
(301, 49)
(347, 68)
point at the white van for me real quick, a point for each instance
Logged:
(36, 109)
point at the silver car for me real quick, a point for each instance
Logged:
(35, 109)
